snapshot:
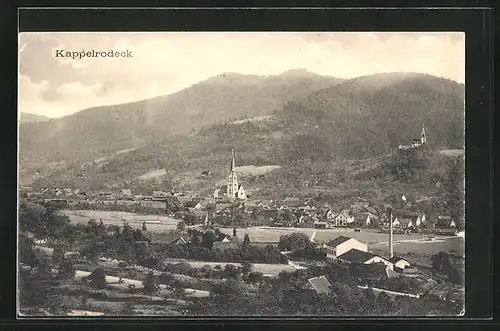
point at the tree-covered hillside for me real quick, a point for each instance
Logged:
(316, 141)
(100, 131)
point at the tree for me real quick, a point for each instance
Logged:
(230, 287)
(294, 241)
(255, 277)
(246, 267)
(230, 271)
(127, 309)
(246, 240)
(150, 285)
(181, 226)
(67, 270)
(441, 261)
(208, 239)
(97, 279)
(58, 253)
(455, 277)
(131, 288)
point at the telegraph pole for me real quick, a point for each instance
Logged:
(391, 247)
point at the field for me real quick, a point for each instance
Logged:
(153, 174)
(404, 244)
(266, 269)
(268, 234)
(153, 222)
(252, 170)
(453, 152)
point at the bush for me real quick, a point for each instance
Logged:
(97, 279)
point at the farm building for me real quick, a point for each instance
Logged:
(227, 243)
(399, 263)
(193, 204)
(371, 273)
(355, 256)
(445, 222)
(341, 245)
(168, 239)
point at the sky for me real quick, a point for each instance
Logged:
(164, 63)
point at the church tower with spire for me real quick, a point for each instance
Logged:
(234, 190)
(423, 137)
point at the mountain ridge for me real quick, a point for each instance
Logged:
(323, 128)
(98, 131)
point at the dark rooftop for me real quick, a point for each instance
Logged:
(396, 259)
(356, 256)
(372, 271)
(337, 241)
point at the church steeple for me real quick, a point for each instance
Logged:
(232, 183)
(232, 161)
(423, 138)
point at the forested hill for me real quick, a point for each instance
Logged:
(99, 132)
(372, 115)
(32, 118)
(363, 118)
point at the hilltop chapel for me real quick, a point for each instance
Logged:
(416, 142)
(232, 190)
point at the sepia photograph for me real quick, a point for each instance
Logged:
(226, 174)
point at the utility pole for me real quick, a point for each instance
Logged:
(391, 247)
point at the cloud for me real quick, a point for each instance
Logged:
(77, 91)
(164, 63)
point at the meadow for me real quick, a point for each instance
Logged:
(154, 223)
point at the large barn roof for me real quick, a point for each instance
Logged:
(339, 240)
(356, 256)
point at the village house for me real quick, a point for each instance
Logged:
(126, 192)
(406, 222)
(193, 205)
(330, 215)
(372, 273)
(423, 219)
(168, 239)
(365, 219)
(342, 244)
(218, 192)
(356, 256)
(371, 210)
(226, 243)
(342, 219)
(399, 263)
(160, 194)
(445, 222)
